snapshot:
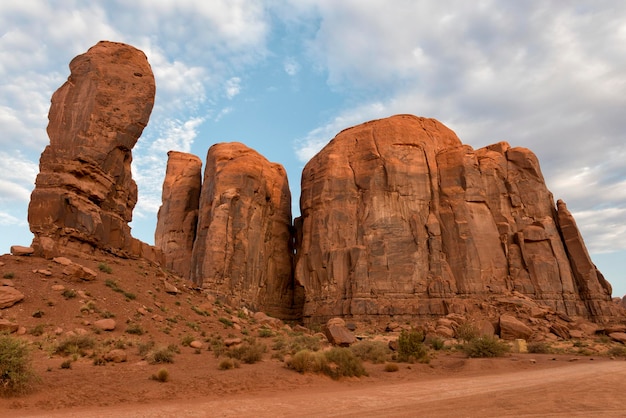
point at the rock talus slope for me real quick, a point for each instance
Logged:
(84, 194)
(178, 215)
(400, 218)
(243, 249)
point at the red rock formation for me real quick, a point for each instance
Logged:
(399, 218)
(178, 215)
(84, 194)
(243, 249)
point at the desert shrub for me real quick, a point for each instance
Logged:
(105, 268)
(161, 376)
(216, 344)
(487, 346)
(336, 362)
(143, 348)
(249, 352)
(193, 326)
(265, 332)
(9, 275)
(374, 351)
(391, 367)
(307, 361)
(75, 344)
(67, 364)
(411, 346)
(199, 311)
(539, 347)
(107, 314)
(467, 332)
(437, 343)
(16, 374)
(227, 322)
(342, 362)
(617, 351)
(37, 330)
(160, 355)
(129, 295)
(135, 329)
(227, 364)
(69, 293)
(186, 340)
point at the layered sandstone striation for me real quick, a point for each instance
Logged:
(399, 218)
(243, 249)
(84, 194)
(178, 215)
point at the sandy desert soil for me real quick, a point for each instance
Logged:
(569, 384)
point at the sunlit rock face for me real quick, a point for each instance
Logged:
(243, 251)
(399, 218)
(85, 195)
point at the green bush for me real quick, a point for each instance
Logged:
(307, 361)
(437, 343)
(343, 362)
(161, 376)
(411, 346)
(374, 351)
(249, 352)
(38, 330)
(391, 367)
(135, 329)
(144, 348)
(617, 351)
(265, 332)
(69, 293)
(105, 268)
(336, 362)
(16, 374)
(160, 355)
(467, 332)
(487, 346)
(227, 364)
(227, 322)
(75, 344)
(539, 348)
(186, 340)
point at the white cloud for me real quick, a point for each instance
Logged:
(232, 87)
(291, 66)
(540, 75)
(6, 219)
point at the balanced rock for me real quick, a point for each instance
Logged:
(399, 218)
(84, 193)
(178, 215)
(243, 250)
(337, 333)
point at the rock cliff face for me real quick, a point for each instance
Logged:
(243, 249)
(399, 218)
(84, 194)
(178, 215)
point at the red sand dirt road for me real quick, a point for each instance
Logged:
(582, 388)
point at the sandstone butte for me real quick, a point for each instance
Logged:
(84, 193)
(400, 220)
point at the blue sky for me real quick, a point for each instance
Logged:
(285, 76)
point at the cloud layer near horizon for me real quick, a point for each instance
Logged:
(545, 75)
